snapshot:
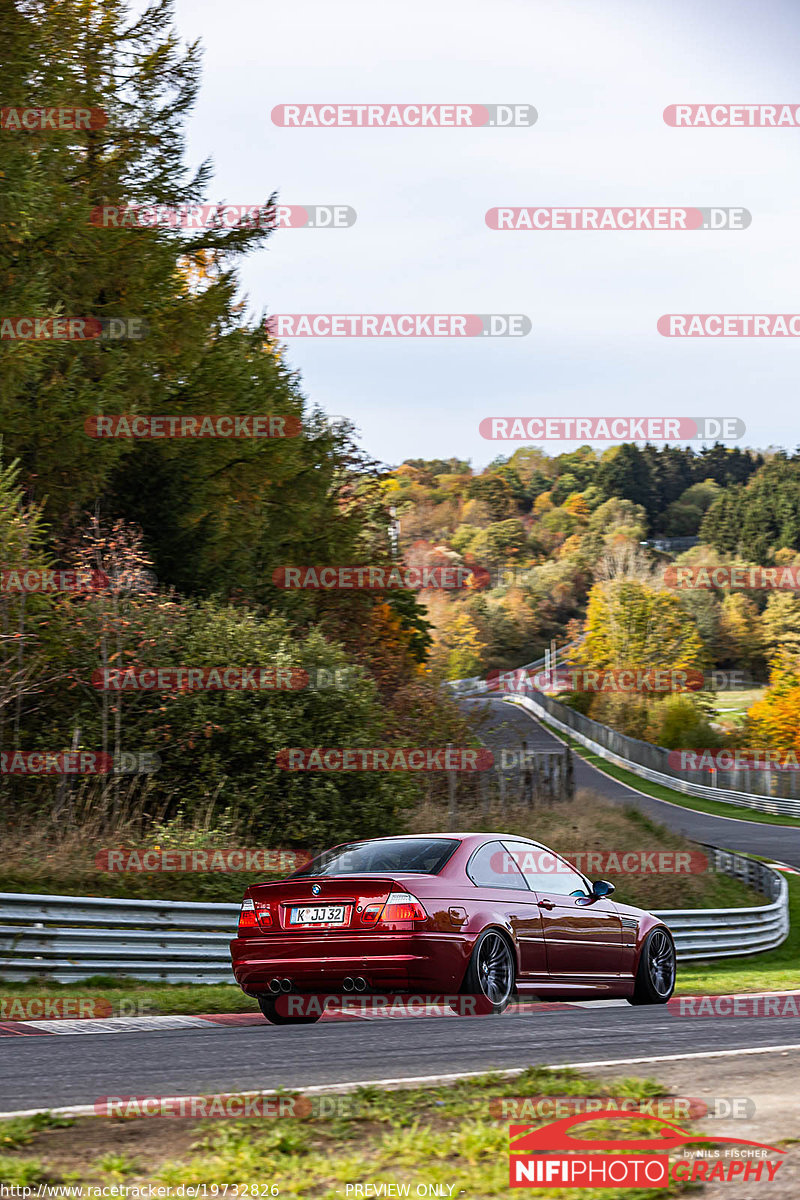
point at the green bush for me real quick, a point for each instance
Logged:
(680, 723)
(218, 748)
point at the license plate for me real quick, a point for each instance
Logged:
(320, 914)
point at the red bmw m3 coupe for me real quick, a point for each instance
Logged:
(483, 914)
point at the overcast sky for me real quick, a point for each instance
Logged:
(600, 75)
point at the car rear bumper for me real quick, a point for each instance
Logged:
(313, 963)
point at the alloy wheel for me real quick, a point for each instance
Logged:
(495, 969)
(661, 962)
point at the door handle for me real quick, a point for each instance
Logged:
(546, 904)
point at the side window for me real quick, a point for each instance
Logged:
(545, 871)
(493, 866)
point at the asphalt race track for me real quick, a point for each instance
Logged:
(507, 726)
(79, 1069)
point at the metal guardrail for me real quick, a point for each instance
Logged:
(567, 720)
(722, 932)
(68, 938)
(75, 937)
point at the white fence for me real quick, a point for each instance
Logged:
(565, 719)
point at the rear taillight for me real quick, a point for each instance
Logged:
(254, 914)
(247, 916)
(401, 906)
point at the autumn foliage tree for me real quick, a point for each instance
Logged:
(632, 624)
(774, 720)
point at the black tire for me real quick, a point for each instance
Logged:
(267, 1006)
(491, 974)
(655, 976)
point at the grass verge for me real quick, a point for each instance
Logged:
(130, 997)
(732, 704)
(447, 1135)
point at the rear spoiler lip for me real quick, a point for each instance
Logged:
(398, 878)
(378, 877)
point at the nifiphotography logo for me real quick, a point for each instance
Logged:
(632, 1161)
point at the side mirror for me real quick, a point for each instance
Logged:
(601, 888)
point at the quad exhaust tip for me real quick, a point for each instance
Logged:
(359, 984)
(286, 985)
(274, 985)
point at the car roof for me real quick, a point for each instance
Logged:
(469, 839)
(409, 836)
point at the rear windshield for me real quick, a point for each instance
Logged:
(424, 855)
